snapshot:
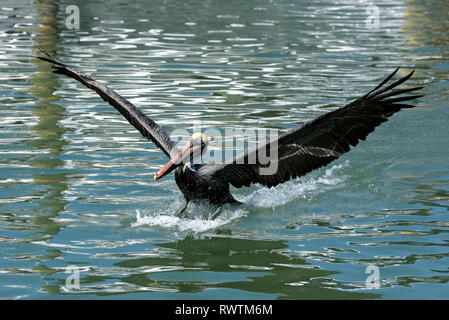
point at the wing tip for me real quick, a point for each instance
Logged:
(49, 58)
(381, 92)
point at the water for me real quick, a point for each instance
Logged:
(76, 178)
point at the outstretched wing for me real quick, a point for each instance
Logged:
(318, 142)
(147, 127)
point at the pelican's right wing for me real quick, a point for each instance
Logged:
(147, 127)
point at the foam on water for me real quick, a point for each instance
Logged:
(300, 187)
(195, 223)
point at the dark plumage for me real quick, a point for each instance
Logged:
(299, 150)
(147, 127)
(324, 139)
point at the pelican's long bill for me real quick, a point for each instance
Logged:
(191, 150)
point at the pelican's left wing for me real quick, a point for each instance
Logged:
(147, 127)
(318, 142)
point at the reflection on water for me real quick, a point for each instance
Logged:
(50, 183)
(265, 268)
(436, 33)
(76, 178)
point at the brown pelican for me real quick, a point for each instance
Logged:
(299, 150)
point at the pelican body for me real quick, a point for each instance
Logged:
(198, 183)
(299, 150)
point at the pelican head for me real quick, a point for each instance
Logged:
(193, 150)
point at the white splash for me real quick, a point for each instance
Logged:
(300, 187)
(195, 224)
(197, 221)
